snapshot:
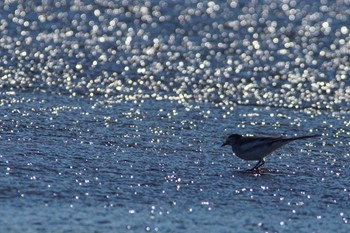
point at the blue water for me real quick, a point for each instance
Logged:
(112, 114)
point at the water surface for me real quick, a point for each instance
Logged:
(112, 115)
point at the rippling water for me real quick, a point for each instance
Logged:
(112, 114)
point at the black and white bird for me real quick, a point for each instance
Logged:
(257, 148)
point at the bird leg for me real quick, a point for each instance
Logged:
(259, 164)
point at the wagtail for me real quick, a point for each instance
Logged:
(257, 148)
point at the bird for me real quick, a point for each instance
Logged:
(257, 148)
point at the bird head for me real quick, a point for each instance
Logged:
(232, 139)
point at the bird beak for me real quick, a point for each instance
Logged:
(224, 144)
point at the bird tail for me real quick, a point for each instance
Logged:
(304, 137)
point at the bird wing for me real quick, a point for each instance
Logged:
(251, 143)
(256, 148)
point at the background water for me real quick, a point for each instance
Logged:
(112, 114)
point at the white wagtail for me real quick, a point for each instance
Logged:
(257, 148)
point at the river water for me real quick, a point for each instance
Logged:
(112, 114)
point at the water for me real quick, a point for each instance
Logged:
(112, 114)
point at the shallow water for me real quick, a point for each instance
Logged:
(112, 115)
(75, 164)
